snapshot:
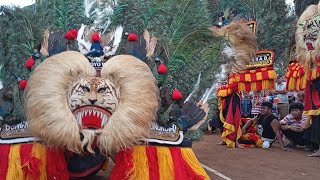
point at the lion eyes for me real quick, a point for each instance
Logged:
(102, 90)
(85, 88)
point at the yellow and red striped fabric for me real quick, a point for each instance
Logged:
(31, 161)
(230, 116)
(157, 163)
(295, 75)
(251, 135)
(227, 90)
(255, 80)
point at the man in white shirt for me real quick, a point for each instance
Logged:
(282, 95)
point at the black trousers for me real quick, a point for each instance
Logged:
(297, 137)
(315, 129)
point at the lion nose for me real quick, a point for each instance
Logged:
(92, 101)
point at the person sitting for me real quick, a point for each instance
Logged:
(268, 127)
(291, 125)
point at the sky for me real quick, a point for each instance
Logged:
(20, 3)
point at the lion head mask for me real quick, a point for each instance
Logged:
(307, 36)
(69, 107)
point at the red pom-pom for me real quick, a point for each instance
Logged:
(23, 83)
(29, 63)
(132, 37)
(176, 95)
(95, 37)
(71, 34)
(162, 69)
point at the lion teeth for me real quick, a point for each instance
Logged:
(104, 120)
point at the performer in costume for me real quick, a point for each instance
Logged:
(238, 52)
(308, 55)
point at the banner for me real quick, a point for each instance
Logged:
(263, 58)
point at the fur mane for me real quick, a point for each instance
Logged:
(304, 56)
(51, 119)
(137, 104)
(243, 44)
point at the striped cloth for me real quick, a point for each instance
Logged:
(256, 105)
(290, 120)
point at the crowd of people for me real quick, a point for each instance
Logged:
(272, 115)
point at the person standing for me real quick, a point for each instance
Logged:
(282, 95)
(246, 106)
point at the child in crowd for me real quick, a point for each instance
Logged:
(256, 103)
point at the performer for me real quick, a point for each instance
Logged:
(308, 56)
(236, 56)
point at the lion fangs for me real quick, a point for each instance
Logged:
(104, 119)
(78, 117)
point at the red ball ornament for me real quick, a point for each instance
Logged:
(132, 37)
(23, 83)
(71, 34)
(95, 37)
(29, 63)
(176, 94)
(162, 69)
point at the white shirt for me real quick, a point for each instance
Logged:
(283, 98)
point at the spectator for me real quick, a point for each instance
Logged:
(256, 103)
(292, 96)
(300, 97)
(268, 126)
(282, 95)
(246, 106)
(292, 126)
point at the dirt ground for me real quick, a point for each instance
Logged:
(251, 163)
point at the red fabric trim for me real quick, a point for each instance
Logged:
(30, 164)
(56, 165)
(307, 98)
(151, 152)
(123, 171)
(265, 75)
(4, 160)
(253, 77)
(182, 170)
(248, 86)
(178, 164)
(259, 85)
(234, 118)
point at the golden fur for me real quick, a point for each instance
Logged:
(243, 44)
(304, 29)
(47, 103)
(137, 104)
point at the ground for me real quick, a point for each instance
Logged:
(250, 163)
